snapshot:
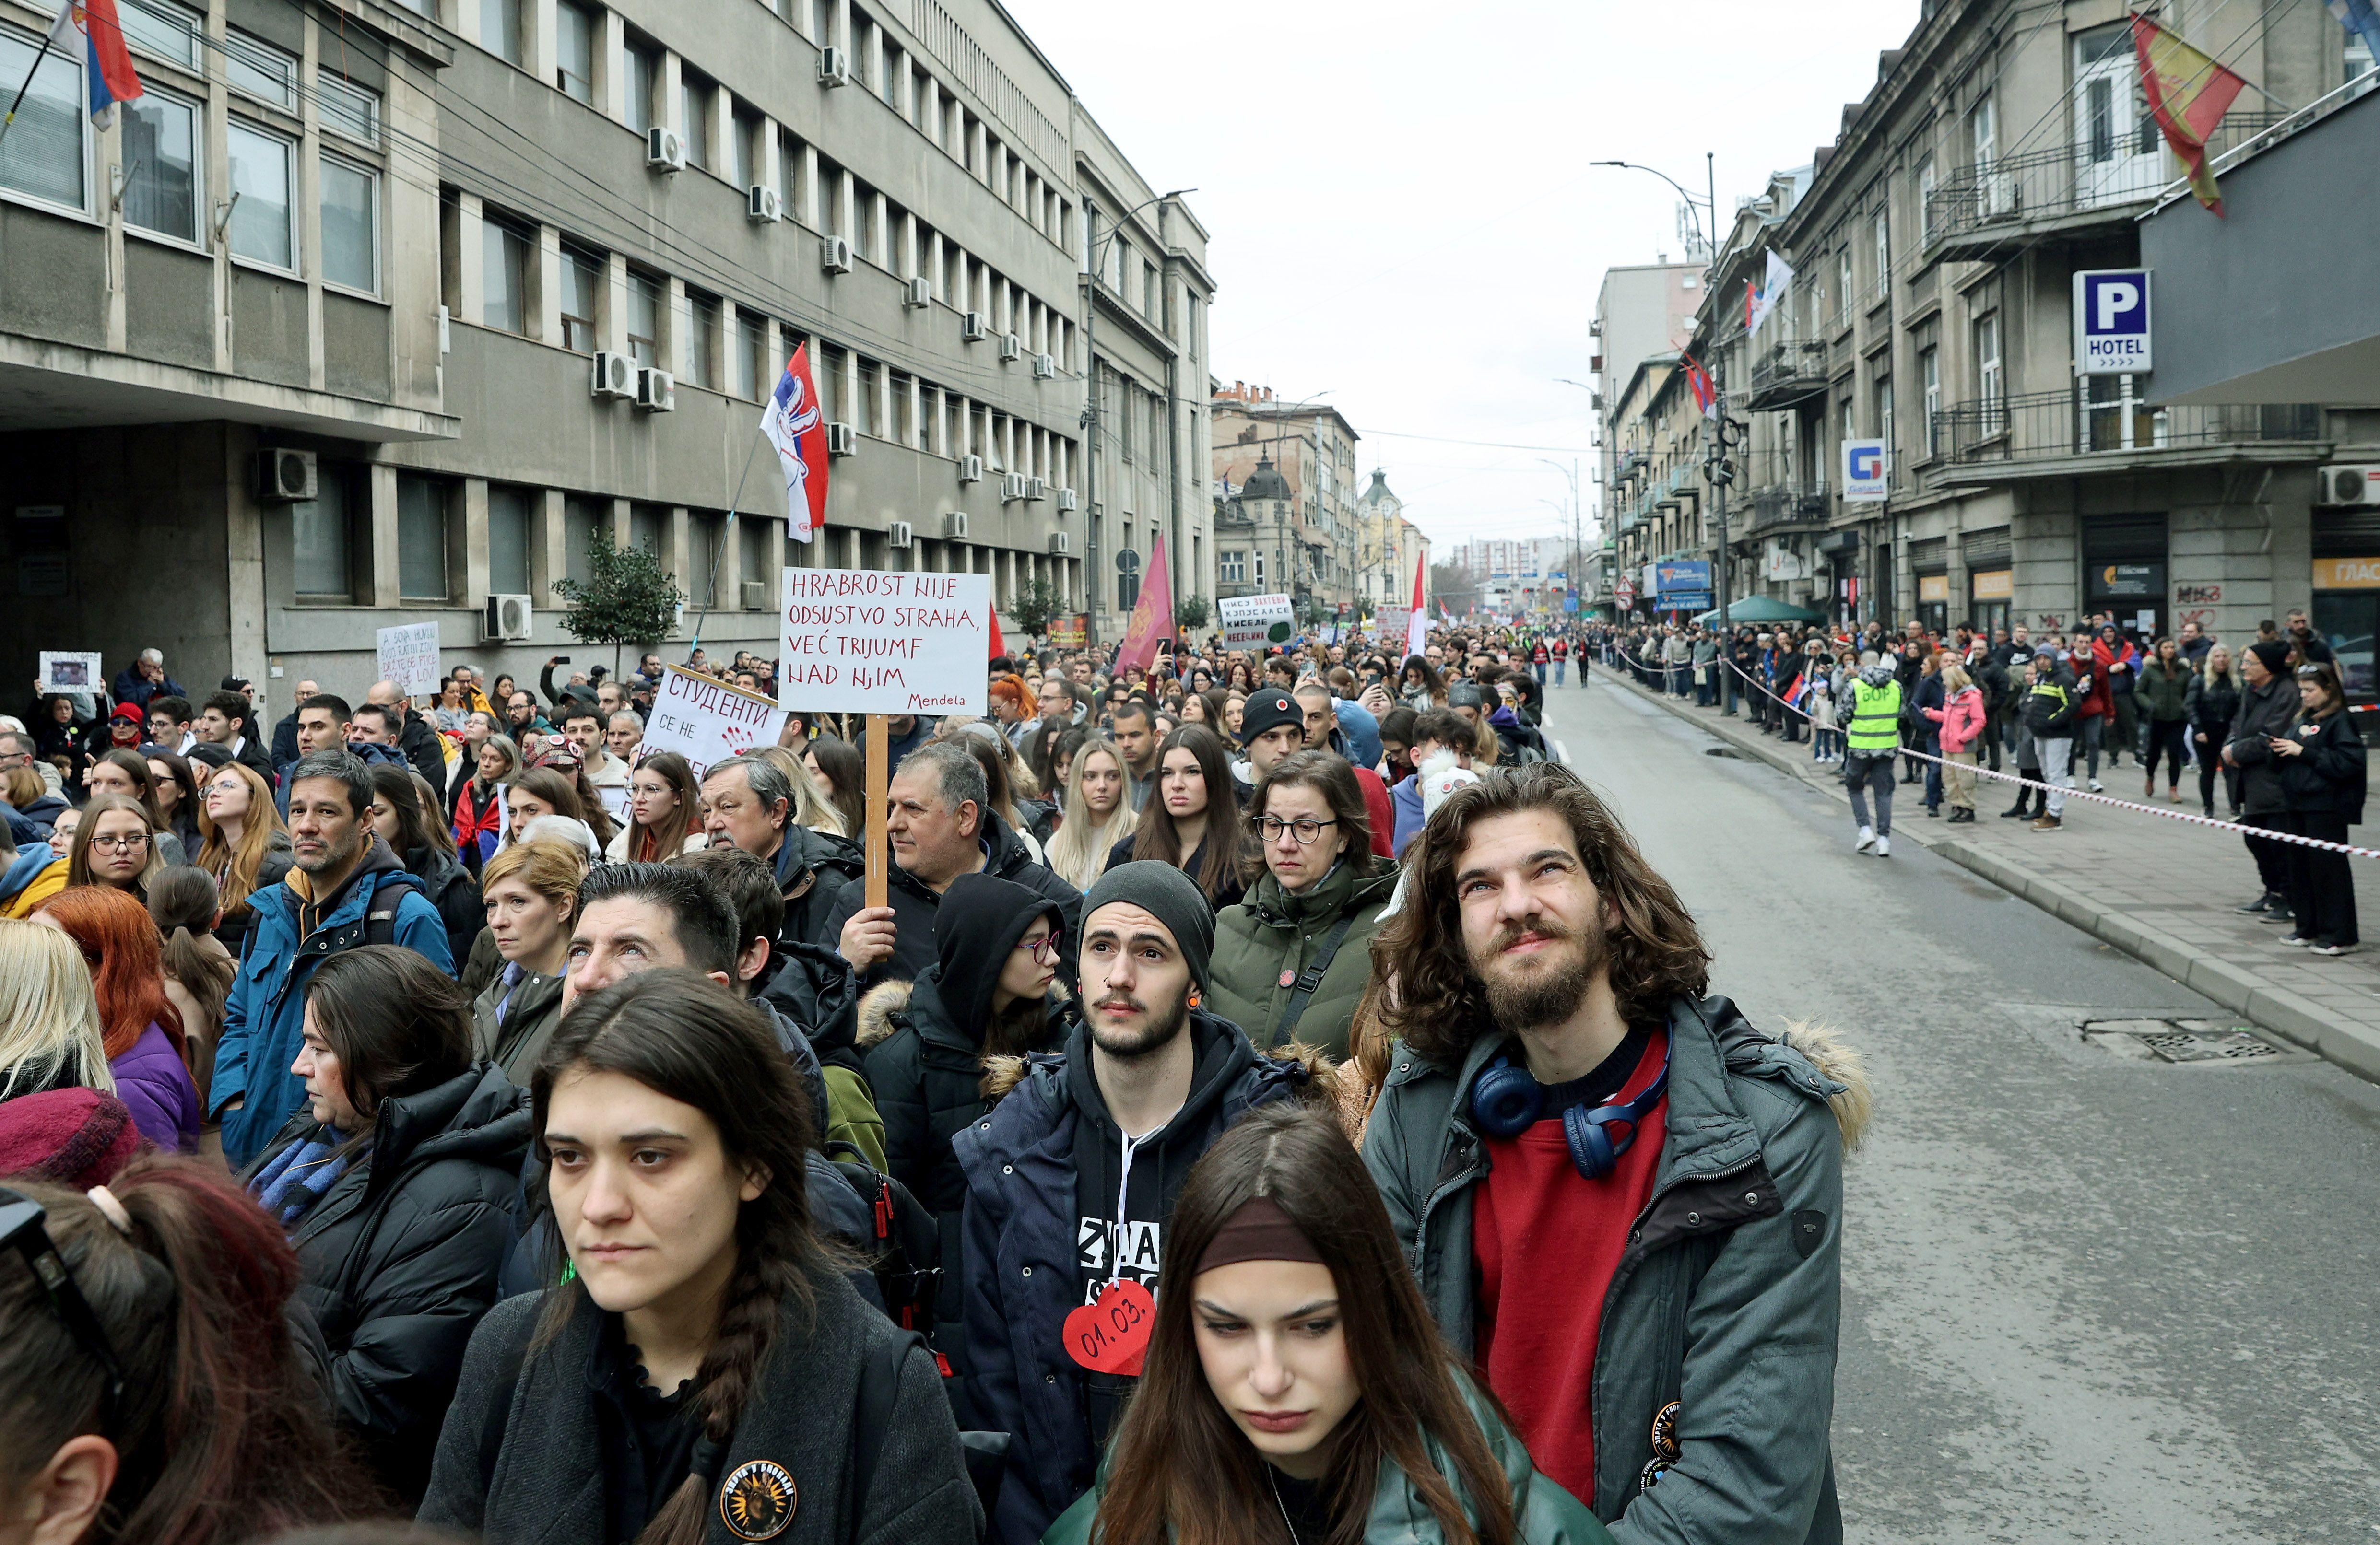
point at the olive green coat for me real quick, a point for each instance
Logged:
(1273, 932)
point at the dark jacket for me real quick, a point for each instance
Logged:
(1027, 1262)
(2052, 704)
(400, 1257)
(420, 743)
(2210, 703)
(812, 993)
(1272, 935)
(2327, 777)
(1232, 892)
(547, 1485)
(1728, 1295)
(2163, 696)
(454, 893)
(914, 907)
(921, 730)
(130, 686)
(813, 868)
(285, 740)
(532, 1009)
(2271, 709)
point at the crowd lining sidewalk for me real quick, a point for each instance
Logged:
(2161, 892)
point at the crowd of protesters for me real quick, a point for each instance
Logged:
(454, 1109)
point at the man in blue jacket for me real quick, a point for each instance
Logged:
(347, 889)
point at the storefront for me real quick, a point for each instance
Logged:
(2124, 574)
(1991, 578)
(1929, 570)
(2346, 592)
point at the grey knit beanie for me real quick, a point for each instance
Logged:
(1169, 895)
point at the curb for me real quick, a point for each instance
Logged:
(2293, 1019)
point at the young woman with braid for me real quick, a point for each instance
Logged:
(699, 1377)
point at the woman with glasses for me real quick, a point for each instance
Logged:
(242, 844)
(143, 1030)
(1194, 820)
(126, 772)
(1291, 960)
(664, 812)
(116, 845)
(991, 991)
(175, 783)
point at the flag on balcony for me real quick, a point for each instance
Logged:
(1762, 298)
(2361, 18)
(1698, 381)
(797, 427)
(88, 32)
(2188, 95)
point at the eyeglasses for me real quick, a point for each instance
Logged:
(123, 844)
(1305, 828)
(1043, 949)
(20, 1226)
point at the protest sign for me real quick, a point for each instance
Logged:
(706, 720)
(408, 655)
(864, 641)
(1389, 625)
(1254, 621)
(71, 672)
(1070, 633)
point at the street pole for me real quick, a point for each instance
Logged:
(1718, 390)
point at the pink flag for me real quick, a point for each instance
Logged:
(1417, 620)
(1152, 616)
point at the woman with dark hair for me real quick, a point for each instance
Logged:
(175, 784)
(56, 739)
(841, 769)
(126, 772)
(706, 1358)
(411, 832)
(1041, 756)
(184, 1410)
(543, 791)
(399, 1185)
(143, 1030)
(198, 970)
(1194, 822)
(1291, 960)
(1293, 1383)
(1419, 686)
(2323, 778)
(664, 812)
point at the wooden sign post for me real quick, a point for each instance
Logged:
(880, 761)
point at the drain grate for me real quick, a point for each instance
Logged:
(2190, 1042)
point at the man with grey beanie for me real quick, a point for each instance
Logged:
(1071, 1177)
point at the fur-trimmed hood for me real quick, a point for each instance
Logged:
(877, 1007)
(1840, 1061)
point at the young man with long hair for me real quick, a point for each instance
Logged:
(1623, 1201)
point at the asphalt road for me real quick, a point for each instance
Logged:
(2086, 1297)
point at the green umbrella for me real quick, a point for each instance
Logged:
(1763, 608)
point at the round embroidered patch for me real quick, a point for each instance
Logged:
(758, 1501)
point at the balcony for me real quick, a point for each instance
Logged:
(1786, 373)
(1787, 507)
(2058, 434)
(2094, 185)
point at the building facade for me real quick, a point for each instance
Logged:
(1389, 548)
(496, 278)
(1314, 554)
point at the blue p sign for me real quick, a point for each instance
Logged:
(2111, 321)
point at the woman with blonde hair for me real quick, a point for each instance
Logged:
(50, 1032)
(244, 846)
(811, 806)
(531, 890)
(140, 1030)
(477, 809)
(31, 797)
(1098, 814)
(116, 845)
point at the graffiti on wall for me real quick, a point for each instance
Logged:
(2198, 594)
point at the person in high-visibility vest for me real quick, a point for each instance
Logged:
(1871, 741)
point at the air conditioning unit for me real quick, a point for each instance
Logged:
(284, 477)
(664, 149)
(1036, 489)
(1999, 196)
(1066, 500)
(2346, 485)
(970, 469)
(834, 65)
(506, 619)
(919, 294)
(1061, 544)
(656, 391)
(1045, 365)
(1011, 347)
(972, 329)
(1012, 486)
(954, 525)
(842, 439)
(615, 375)
(896, 534)
(755, 595)
(764, 204)
(835, 255)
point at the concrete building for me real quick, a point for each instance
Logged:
(1934, 245)
(1313, 552)
(385, 242)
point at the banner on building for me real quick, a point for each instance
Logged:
(706, 720)
(868, 640)
(408, 655)
(1254, 621)
(71, 672)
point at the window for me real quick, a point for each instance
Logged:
(318, 534)
(752, 378)
(1925, 195)
(350, 225)
(697, 361)
(1883, 249)
(582, 282)
(644, 66)
(574, 29)
(870, 373)
(647, 525)
(43, 156)
(162, 28)
(702, 548)
(161, 153)
(2358, 59)
(752, 536)
(508, 529)
(1843, 285)
(581, 518)
(259, 70)
(500, 29)
(1983, 130)
(1148, 301)
(644, 328)
(694, 114)
(820, 13)
(1929, 378)
(1231, 567)
(1260, 571)
(1989, 383)
(348, 109)
(420, 538)
(262, 230)
(1884, 413)
(505, 259)
(742, 151)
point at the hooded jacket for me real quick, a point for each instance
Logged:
(2270, 709)
(1043, 1169)
(401, 1253)
(915, 906)
(1273, 934)
(454, 893)
(813, 869)
(293, 933)
(1728, 1297)
(2053, 704)
(34, 875)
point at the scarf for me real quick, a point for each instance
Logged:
(295, 1179)
(476, 825)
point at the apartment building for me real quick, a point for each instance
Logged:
(1934, 245)
(1312, 551)
(494, 279)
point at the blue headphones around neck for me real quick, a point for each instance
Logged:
(1506, 1102)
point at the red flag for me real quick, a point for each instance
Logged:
(2188, 95)
(796, 426)
(1152, 615)
(1698, 381)
(998, 648)
(1417, 620)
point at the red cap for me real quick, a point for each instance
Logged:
(132, 711)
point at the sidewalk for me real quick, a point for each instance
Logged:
(2161, 892)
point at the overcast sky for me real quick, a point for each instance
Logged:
(1403, 213)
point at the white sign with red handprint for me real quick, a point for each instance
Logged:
(706, 720)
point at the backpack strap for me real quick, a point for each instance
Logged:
(1302, 992)
(879, 1386)
(380, 914)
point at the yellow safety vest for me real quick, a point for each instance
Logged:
(1876, 718)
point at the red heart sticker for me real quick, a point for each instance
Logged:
(1112, 1335)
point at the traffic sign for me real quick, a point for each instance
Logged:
(1127, 562)
(2111, 321)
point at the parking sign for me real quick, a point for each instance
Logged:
(2111, 321)
(1866, 466)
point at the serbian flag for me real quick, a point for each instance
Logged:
(1698, 381)
(1417, 620)
(795, 425)
(87, 30)
(2188, 95)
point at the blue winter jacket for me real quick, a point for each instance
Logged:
(1405, 800)
(263, 1018)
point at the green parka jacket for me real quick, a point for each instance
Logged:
(1274, 933)
(1728, 1297)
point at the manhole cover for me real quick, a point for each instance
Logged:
(2196, 1042)
(1729, 751)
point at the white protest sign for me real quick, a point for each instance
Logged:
(71, 672)
(706, 720)
(864, 641)
(408, 655)
(1389, 624)
(1256, 621)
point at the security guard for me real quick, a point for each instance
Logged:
(1871, 740)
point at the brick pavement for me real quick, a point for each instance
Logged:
(2161, 892)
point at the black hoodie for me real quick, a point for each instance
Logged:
(916, 905)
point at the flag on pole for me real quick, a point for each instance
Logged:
(1758, 301)
(1417, 620)
(999, 645)
(2188, 95)
(89, 31)
(797, 427)
(2361, 18)
(1698, 381)
(1152, 615)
